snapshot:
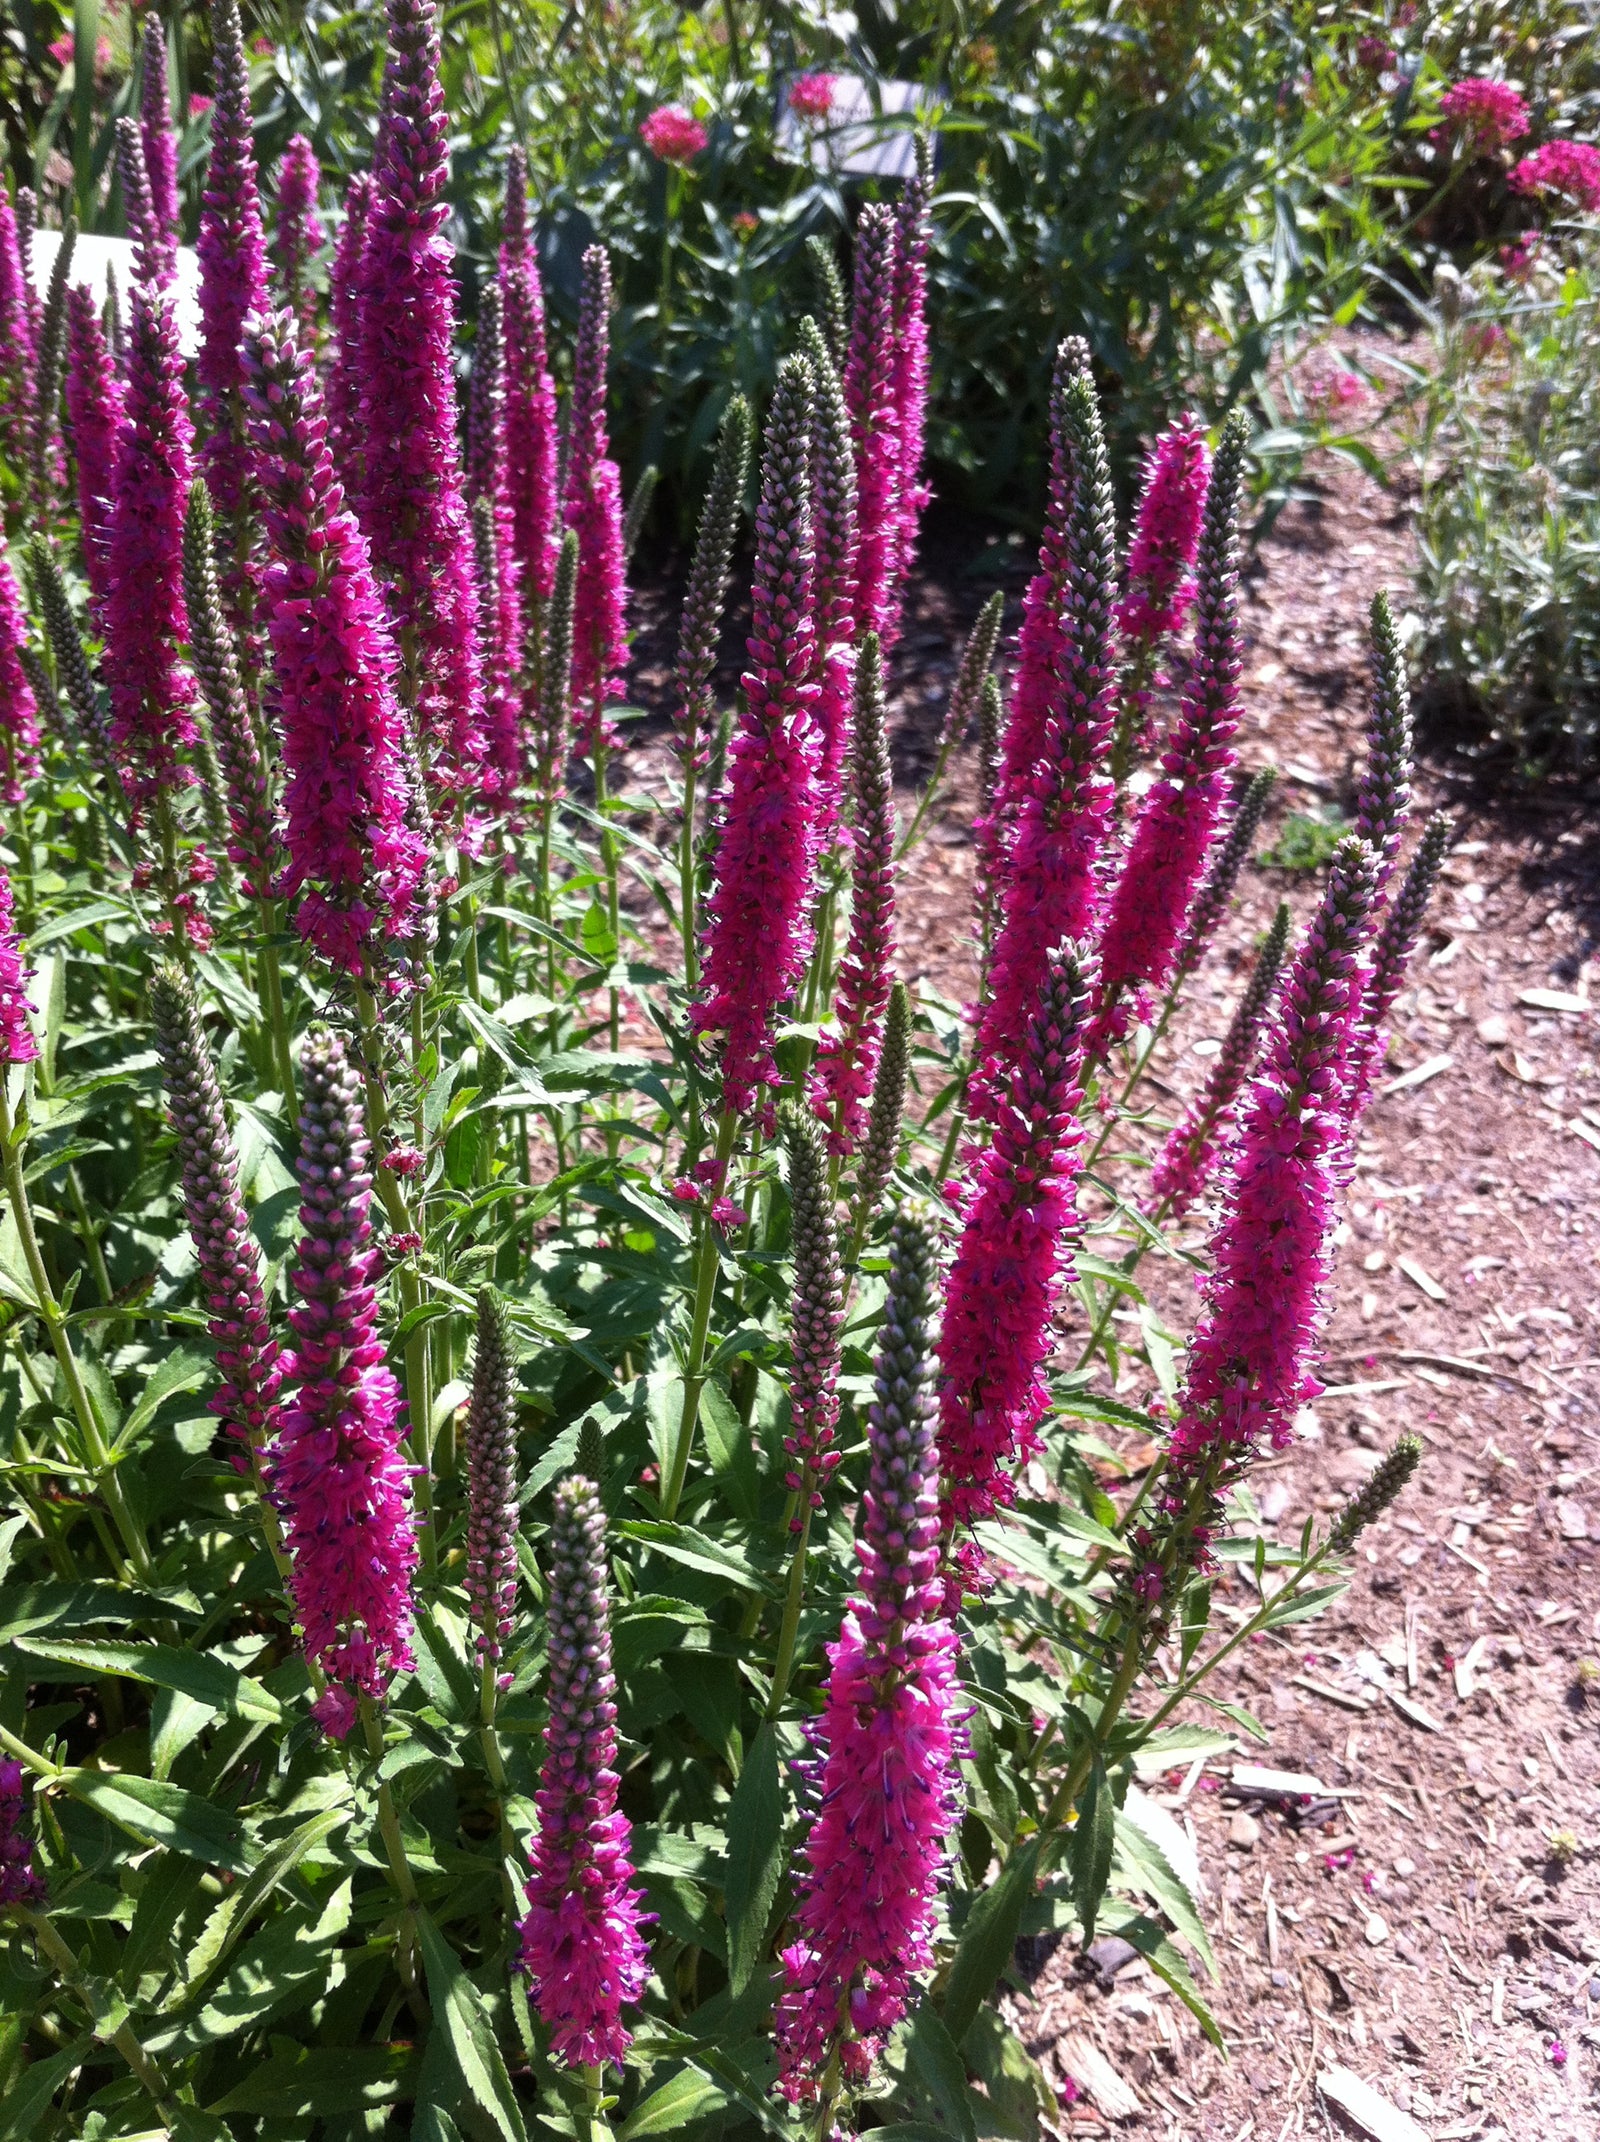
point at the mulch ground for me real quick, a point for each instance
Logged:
(1428, 1919)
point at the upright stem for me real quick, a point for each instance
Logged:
(270, 975)
(706, 1258)
(783, 1665)
(688, 888)
(400, 1874)
(608, 856)
(149, 2074)
(94, 1445)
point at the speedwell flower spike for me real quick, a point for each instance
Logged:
(1226, 863)
(581, 1944)
(848, 1056)
(1187, 1161)
(889, 1738)
(338, 1478)
(706, 595)
(492, 1500)
(1383, 799)
(758, 930)
(816, 1318)
(252, 841)
(836, 540)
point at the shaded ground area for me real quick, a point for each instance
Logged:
(1428, 1920)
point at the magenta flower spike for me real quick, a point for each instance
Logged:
(160, 145)
(833, 521)
(488, 482)
(355, 862)
(1042, 643)
(225, 1249)
(339, 1481)
(300, 236)
(17, 353)
(847, 1060)
(909, 303)
(581, 1941)
(17, 1045)
(1052, 886)
(1178, 820)
(531, 432)
(1397, 941)
(413, 508)
(1014, 1258)
(592, 508)
(758, 929)
(887, 1745)
(19, 711)
(345, 366)
(1383, 800)
(492, 1499)
(94, 412)
(20, 1880)
(816, 1319)
(233, 287)
(1252, 1356)
(1188, 1159)
(152, 694)
(1158, 588)
(870, 379)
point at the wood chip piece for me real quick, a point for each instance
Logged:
(1585, 1131)
(1572, 1518)
(1418, 1076)
(1453, 1362)
(1559, 1000)
(1347, 1699)
(1262, 1783)
(1415, 1712)
(1420, 1276)
(1089, 2068)
(1466, 1667)
(1369, 2108)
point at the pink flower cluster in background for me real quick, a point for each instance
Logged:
(673, 134)
(1571, 168)
(1485, 115)
(811, 95)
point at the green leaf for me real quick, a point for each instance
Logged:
(26, 2100)
(1167, 1962)
(208, 1680)
(180, 1371)
(27, 1607)
(681, 1543)
(731, 1450)
(240, 1906)
(1302, 1606)
(678, 2101)
(161, 1814)
(755, 1857)
(1089, 1848)
(329, 2078)
(459, 2012)
(935, 2059)
(988, 1939)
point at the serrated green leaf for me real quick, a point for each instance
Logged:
(682, 1543)
(230, 1918)
(25, 1608)
(988, 1939)
(158, 1813)
(459, 2012)
(209, 1680)
(329, 2078)
(755, 1857)
(731, 1450)
(1090, 1846)
(934, 2058)
(26, 2100)
(1167, 1962)
(678, 2101)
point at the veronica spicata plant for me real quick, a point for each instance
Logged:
(537, 1361)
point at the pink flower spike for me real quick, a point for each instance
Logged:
(1014, 1258)
(413, 509)
(530, 400)
(909, 302)
(581, 1943)
(1178, 820)
(848, 1059)
(354, 858)
(889, 1738)
(233, 286)
(17, 354)
(488, 485)
(870, 381)
(338, 1475)
(20, 1880)
(1166, 533)
(300, 235)
(673, 134)
(19, 711)
(346, 368)
(1052, 886)
(160, 145)
(593, 509)
(1251, 1359)
(758, 927)
(17, 1045)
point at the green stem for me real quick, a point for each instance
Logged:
(608, 856)
(150, 2076)
(688, 874)
(98, 1456)
(270, 983)
(706, 1258)
(794, 1598)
